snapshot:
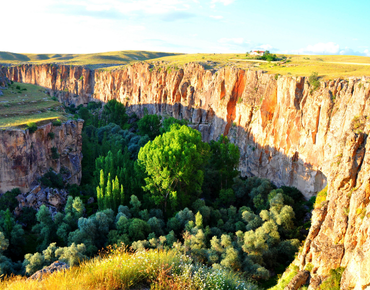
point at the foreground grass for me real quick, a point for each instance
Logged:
(120, 269)
(25, 103)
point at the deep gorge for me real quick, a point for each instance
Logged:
(286, 131)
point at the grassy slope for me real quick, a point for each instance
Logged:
(328, 66)
(123, 270)
(113, 57)
(27, 104)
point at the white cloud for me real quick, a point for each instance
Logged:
(216, 16)
(330, 48)
(321, 48)
(238, 40)
(265, 47)
(225, 2)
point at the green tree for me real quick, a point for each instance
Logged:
(173, 163)
(110, 195)
(222, 167)
(45, 228)
(149, 125)
(114, 112)
(168, 122)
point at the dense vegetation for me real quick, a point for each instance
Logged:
(157, 185)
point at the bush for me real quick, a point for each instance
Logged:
(314, 81)
(321, 197)
(51, 135)
(57, 122)
(269, 56)
(32, 127)
(8, 199)
(333, 281)
(54, 153)
(51, 179)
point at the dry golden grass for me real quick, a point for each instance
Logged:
(120, 269)
(327, 66)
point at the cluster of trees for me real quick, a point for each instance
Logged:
(156, 184)
(268, 56)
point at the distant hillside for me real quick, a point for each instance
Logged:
(92, 59)
(327, 66)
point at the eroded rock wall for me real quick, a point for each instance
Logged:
(70, 84)
(25, 157)
(286, 131)
(3, 79)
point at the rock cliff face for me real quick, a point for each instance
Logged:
(3, 79)
(24, 157)
(286, 131)
(70, 84)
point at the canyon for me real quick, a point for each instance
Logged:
(286, 130)
(25, 156)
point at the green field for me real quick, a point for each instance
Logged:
(24, 103)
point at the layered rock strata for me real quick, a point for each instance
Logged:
(25, 157)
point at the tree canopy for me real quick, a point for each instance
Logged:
(174, 164)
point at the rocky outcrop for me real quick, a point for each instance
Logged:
(54, 199)
(298, 281)
(54, 267)
(286, 130)
(25, 156)
(70, 84)
(3, 81)
(339, 236)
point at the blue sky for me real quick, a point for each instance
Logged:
(191, 26)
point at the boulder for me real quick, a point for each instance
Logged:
(298, 281)
(56, 266)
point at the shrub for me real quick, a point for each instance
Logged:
(321, 197)
(8, 199)
(286, 278)
(314, 81)
(51, 179)
(57, 122)
(54, 153)
(32, 127)
(333, 281)
(51, 135)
